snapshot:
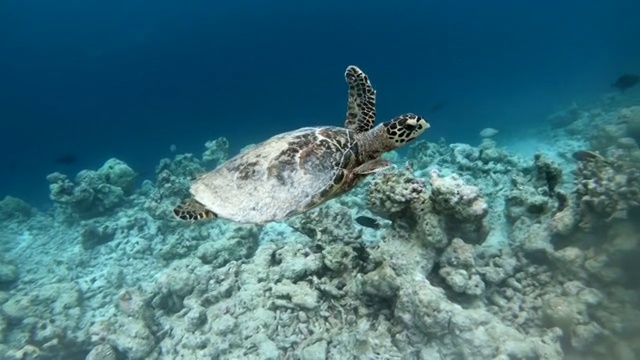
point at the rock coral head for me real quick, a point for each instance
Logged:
(547, 172)
(605, 192)
(631, 118)
(456, 197)
(461, 205)
(396, 195)
(217, 150)
(12, 208)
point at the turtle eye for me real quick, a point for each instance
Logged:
(410, 124)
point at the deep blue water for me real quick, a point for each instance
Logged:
(129, 78)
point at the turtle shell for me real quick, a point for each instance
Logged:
(280, 177)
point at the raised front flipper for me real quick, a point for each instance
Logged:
(361, 108)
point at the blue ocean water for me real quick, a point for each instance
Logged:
(127, 79)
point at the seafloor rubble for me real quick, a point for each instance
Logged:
(482, 254)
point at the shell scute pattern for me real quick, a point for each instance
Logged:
(247, 171)
(295, 171)
(311, 153)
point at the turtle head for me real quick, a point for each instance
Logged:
(402, 129)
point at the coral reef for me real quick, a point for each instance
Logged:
(631, 117)
(172, 176)
(606, 191)
(8, 272)
(217, 150)
(457, 267)
(404, 199)
(12, 209)
(565, 117)
(94, 193)
(481, 254)
(94, 234)
(461, 206)
(102, 352)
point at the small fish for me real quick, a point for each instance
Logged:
(488, 132)
(368, 222)
(66, 159)
(626, 81)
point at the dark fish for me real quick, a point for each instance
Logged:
(626, 81)
(66, 159)
(435, 107)
(589, 156)
(368, 222)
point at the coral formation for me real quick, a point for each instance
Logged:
(565, 117)
(94, 193)
(606, 191)
(8, 272)
(94, 234)
(457, 267)
(482, 254)
(217, 150)
(461, 206)
(12, 208)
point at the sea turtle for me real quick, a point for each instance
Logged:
(295, 171)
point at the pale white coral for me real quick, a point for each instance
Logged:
(217, 150)
(94, 193)
(461, 205)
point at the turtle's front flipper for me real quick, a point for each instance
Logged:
(361, 109)
(363, 171)
(191, 210)
(372, 166)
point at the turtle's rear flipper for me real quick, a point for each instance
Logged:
(191, 210)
